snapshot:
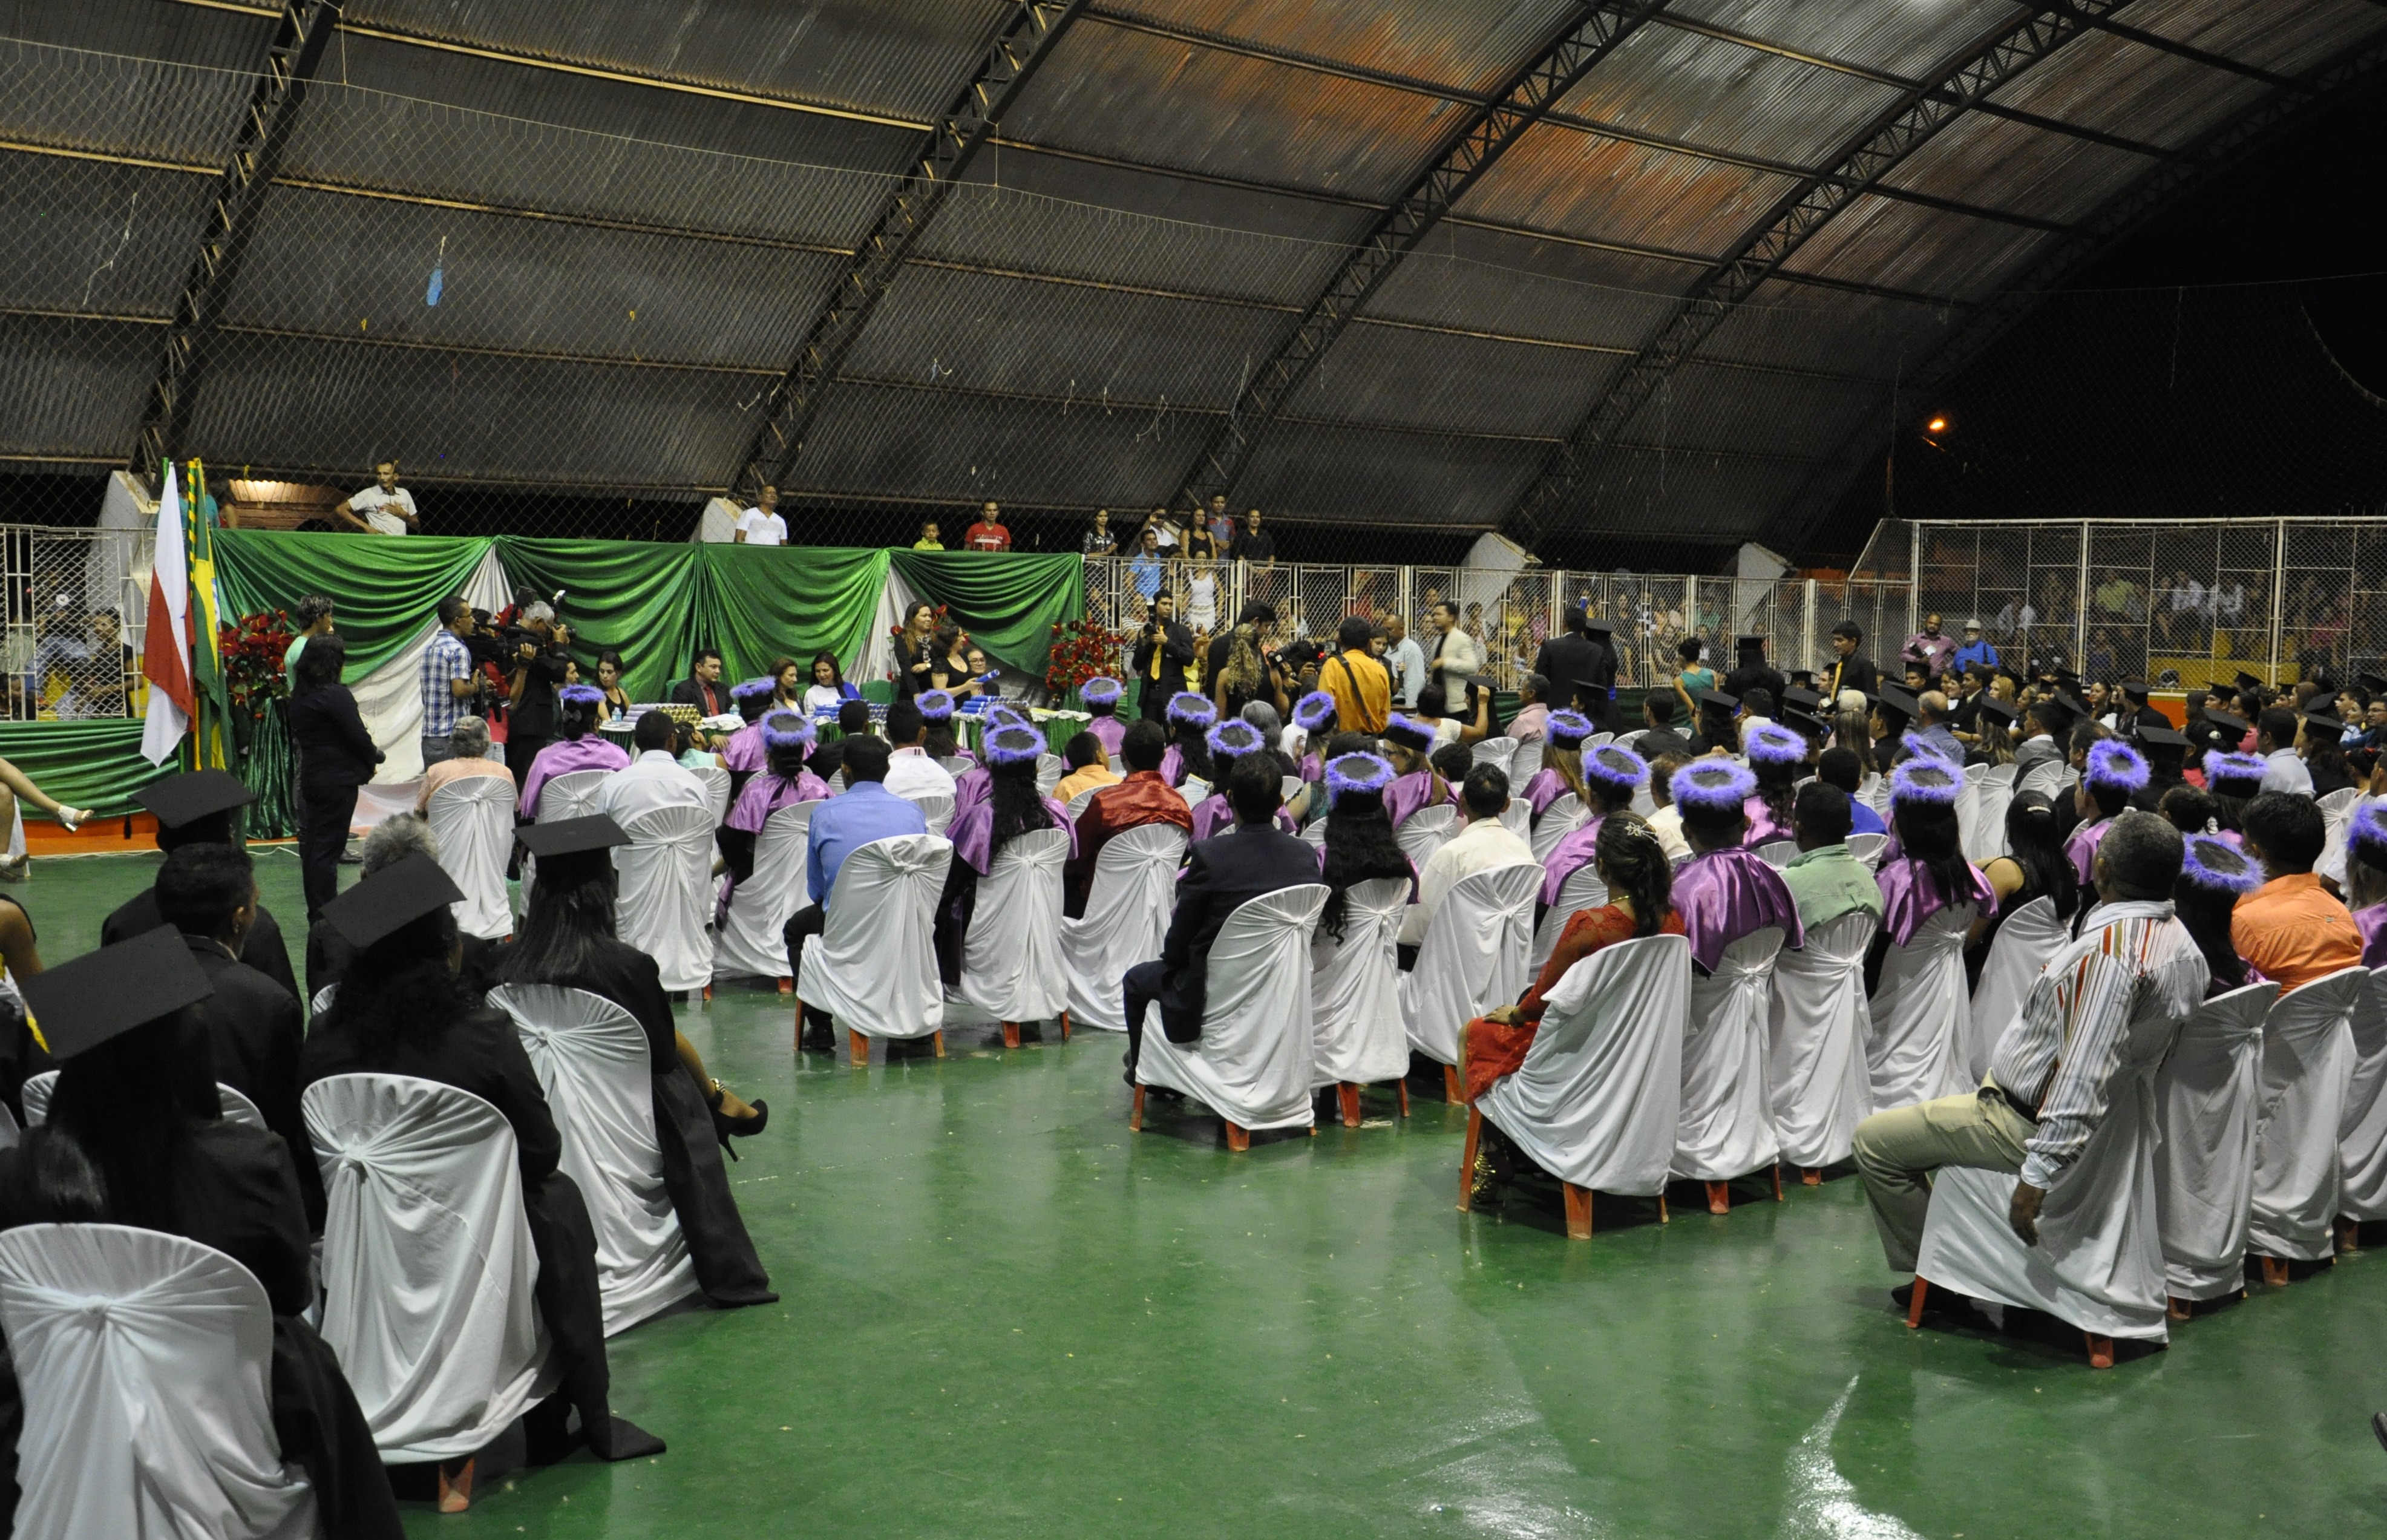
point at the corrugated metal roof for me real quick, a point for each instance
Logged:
(2113, 84)
(1690, 496)
(1794, 325)
(1908, 38)
(2285, 37)
(1702, 90)
(74, 388)
(1395, 377)
(1745, 411)
(1482, 279)
(1883, 241)
(1314, 470)
(98, 240)
(1461, 44)
(1579, 184)
(73, 98)
(1997, 163)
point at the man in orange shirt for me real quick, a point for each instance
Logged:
(1361, 685)
(2289, 926)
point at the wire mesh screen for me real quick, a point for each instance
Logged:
(76, 600)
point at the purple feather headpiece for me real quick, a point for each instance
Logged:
(2365, 835)
(752, 689)
(1001, 715)
(2217, 865)
(582, 697)
(1615, 767)
(1712, 783)
(936, 705)
(1190, 709)
(1313, 711)
(2113, 762)
(1236, 737)
(1916, 745)
(1102, 691)
(1771, 745)
(1409, 734)
(785, 730)
(2243, 772)
(1358, 773)
(1010, 745)
(1930, 781)
(1569, 728)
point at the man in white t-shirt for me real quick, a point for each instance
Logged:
(761, 525)
(385, 508)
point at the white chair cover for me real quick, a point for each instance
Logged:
(35, 1096)
(1050, 769)
(1968, 816)
(955, 766)
(2206, 1097)
(1518, 819)
(1582, 890)
(2098, 1263)
(1598, 1099)
(570, 795)
(938, 809)
(1875, 793)
(1501, 751)
(665, 897)
(145, 1365)
(10, 1131)
(1526, 763)
(1920, 1014)
(427, 1265)
(1078, 803)
(2307, 1065)
(1474, 957)
(1251, 1065)
(1565, 814)
(1867, 847)
(717, 788)
(2337, 813)
(1817, 1084)
(2026, 940)
(1779, 854)
(1126, 921)
(872, 967)
(1997, 795)
(323, 1001)
(597, 1070)
(1597, 740)
(473, 820)
(1355, 989)
(2046, 778)
(1011, 959)
(237, 1108)
(1314, 831)
(1426, 831)
(1725, 1129)
(2362, 1128)
(750, 942)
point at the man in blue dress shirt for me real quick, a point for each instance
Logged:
(841, 825)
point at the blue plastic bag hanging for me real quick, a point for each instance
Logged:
(439, 275)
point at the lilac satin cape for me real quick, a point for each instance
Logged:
(2080, 849)
(743, 752)
(1725, 895)
(1547, 787)
(1764, 828)
(562, 758)
(973, 788)
(1568, 854)
(2372, 923)
(766, 793)
(1109, 730)
(1313, 769)
(972, 832)
(1908, 897)
(1215, 816)
(1408, 793)
(1172, 766)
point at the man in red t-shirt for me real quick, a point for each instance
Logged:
(988, 534)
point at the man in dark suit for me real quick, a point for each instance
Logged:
(1223, 873)
(1163, 650)
(1750, 671)
(1851, 668)
(197, 809)
(1568, 658)
(702, 689)
(254, 1029)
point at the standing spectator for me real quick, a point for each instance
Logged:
(532, 673)
(928, 539)
(1851, 668)
(1222, 523)
(1162, 651)
(702, 689)
(1977, 652)
(1202, 592)
(1199, 548)
(1358, 679)
(1254, 544)
(988, 534)
(761, 525)
(1164, 531)
(1405, 660)
(447, 679)
(1929, 648)
(336, 756)
(1099, 541)
(1457, 655)
(385, 508)
(1693, 678)
(1148, 570)
(309, 618)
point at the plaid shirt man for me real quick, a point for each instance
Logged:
(443, 661)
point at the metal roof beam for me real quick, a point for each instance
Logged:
(1886, 143)
(1025, 41)
(1591, 33)
(291, 57)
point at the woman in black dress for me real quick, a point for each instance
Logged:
(336, 756)
(914, 655)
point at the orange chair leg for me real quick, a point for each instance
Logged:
(2349, 1234)
(1915, 1302)
(2275, 1272)
(1238, 1137)
(1467, 1161)
(1011, 1034)
(1578, 1211)
(1065, 1026)
(1454, 1090)
(940, 1036)
(1719, 1197)
(456, 1490)
(1661, 1210)
(1776, 1174)
(859, 1047)
(1135, 1113)
(787, 986)
(1401, 1090)
(708, 994)
(1810, 1176)
(798, 1044)
(1349, 1094)
(2101, 1350)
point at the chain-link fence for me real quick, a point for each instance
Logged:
(75, 601)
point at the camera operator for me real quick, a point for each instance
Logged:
(1163, 649)
(1243, 665)
(535, 663)
(449, 680)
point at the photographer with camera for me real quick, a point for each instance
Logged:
(449, 680)
(535, 662)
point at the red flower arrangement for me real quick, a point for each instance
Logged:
(251, 652)
(1083, 649)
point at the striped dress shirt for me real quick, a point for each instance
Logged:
(2133, 959)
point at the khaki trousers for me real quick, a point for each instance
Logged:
(1898, 1151)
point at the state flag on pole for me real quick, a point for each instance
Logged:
(166, 645)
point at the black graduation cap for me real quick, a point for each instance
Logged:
(1898, 699)
(180, 799)
(571, 836)
(1590, 689)
(2227, 722)
(1748, 644)
(2370, 684)
(2247, 681)
(1806, 699)
(78, 1006)
(2327, 721)
(2073, 703)
(2162, 738)
(1720, 700)
(1804, 722)
(2136, 689)
(1596, 626)
(1805, 678)
(1999, 709)
(397, 895)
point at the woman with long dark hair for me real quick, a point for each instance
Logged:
(2033, 868)
(2323, 738)
(1611, 773)
(1191, 716)
(1230, 742)
(1777, 756)
(616, 703)
(135, 1137)
(827, 690)
(1010, 807)
(1359, 845)
(577, 745)
(915, 651)
(336, 756)
(1929, 873)
(2214, 875)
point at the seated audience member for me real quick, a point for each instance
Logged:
(853, 722)
(938, 739)
(2275, 739)
(1640, 902)
(1451, 761)
(839, 827)
(197, 808)
(1713, 727)
(1824, 880)
(2232, 781)
(1142, 797)
(1666, 821)
(1931, 711)
(1611, 774)
(1102, 697)
(1190, 718)
(2112, 774)
(1724, 890)
(1659, 711)
(2190, 811)
(782, 782)
(1533, 718)
(1449, 731)
(1927, 872)
(1313, 724)
(1230, 742)
(1561, 771)
(2033, 868)
(1481, 843)
(2165, 750)
(910, 771)
(568, 939)
(702, 689)
(468, 757)
(741, 752)
(133, 1139)
(1409, 746)
(1842, 768)
(1222, 875)
(970, 786)
(1777, 757)
(2322, 743)
(2050, 719)
(1360, 846)
(656, 778)
(2290, 927)
(828, 691)
(2214, 875)
(2365, 879)
(389, 842)
(1010, 808)
(401, 1010)
(1756, 711)
(578, 745)
(1084, 754)
(2047, 1087)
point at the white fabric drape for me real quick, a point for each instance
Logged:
(570, 795)
(2308, 1064)
(1355, 991)
(750, 941)
(1867, 847)
(473, 820)
(427, 1265)
(2337, 815)
(1011, 959)
(1499, 752)
(2331, 863)
(1565, 814)
(596, 1067)
(2026, 940)
(936, 808)
(1779, 854)
(1426, 831)
(716, 789)
(1580, 891)
(665, 897)
(1997, 795)
(1920, 1014)
(1598, 1099)
(872, 967)
(1725, 1129)
(2207, 1099)
(1968, 813)
(1251, 1064)
(2362, 1128)
(1126, 920)
(2046, 778)
(1474, 957)
(145, 1365)
(1817, 1085)
(34, 1095)
(1526, 764)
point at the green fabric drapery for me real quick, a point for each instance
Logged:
(384, 591)
(94, 764)
(644, 601)
(764, 602)
(1009, 604)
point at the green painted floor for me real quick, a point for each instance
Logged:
(1005, 1315)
